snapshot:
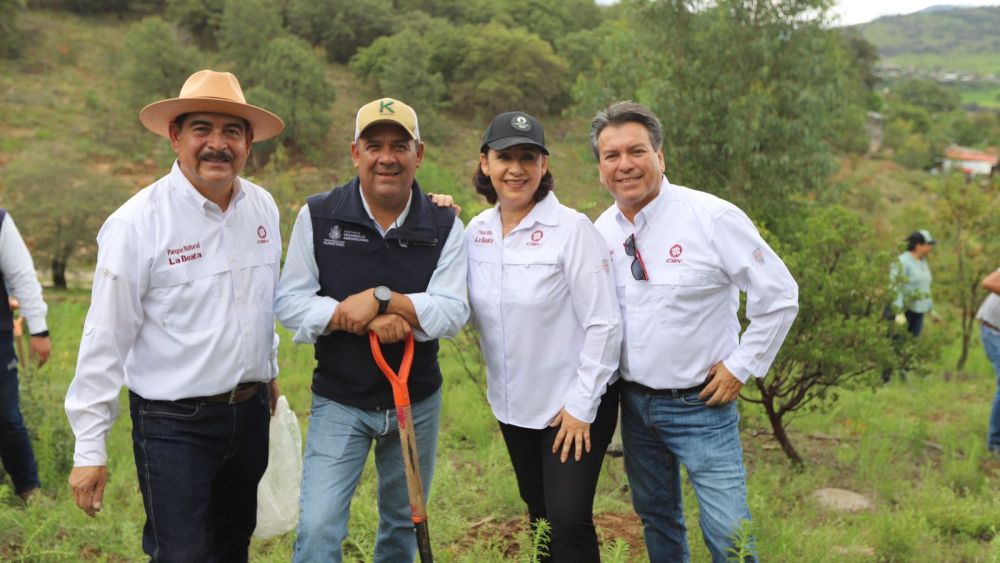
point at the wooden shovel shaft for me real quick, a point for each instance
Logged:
(407, 441)
(414, 485)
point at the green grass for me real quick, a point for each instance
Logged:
(915, 448)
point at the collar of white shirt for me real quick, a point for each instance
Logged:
(545, 212)
(186, 190)
(647, 213)
(399, 220)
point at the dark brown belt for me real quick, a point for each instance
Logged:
(238, 394)
(988, 325)
(672, 392)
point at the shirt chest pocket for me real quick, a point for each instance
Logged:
(681, 298)
(187, 300)
(262, 273)
(535, 282)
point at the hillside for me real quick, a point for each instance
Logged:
(958, 39)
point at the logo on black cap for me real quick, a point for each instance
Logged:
(520, 123)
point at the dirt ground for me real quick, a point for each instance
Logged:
(505, 532)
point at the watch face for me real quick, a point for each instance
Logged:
(382, 293)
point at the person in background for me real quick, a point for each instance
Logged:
(373, 255)
(18, 281)
(182, 314)
(911, 274)
(681, 258)
(543, 300)
(989, 332)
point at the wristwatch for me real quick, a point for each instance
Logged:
(383, 295)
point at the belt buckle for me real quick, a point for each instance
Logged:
(232, 395)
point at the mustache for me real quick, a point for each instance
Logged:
(215, 156)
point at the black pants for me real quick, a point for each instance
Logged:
(199, 464)
(563, 493)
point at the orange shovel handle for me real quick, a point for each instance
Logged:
(400, 393)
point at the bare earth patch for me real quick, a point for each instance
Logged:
(507, 532)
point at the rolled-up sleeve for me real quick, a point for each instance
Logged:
(109, 332)
(444, 308)
(772, 294)
(298, 307)
(592, 290)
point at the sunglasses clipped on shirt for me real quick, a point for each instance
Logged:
(638, 266)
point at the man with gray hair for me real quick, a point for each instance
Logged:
(681, 258)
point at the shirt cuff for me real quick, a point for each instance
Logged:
(90, 453)
(36, 325)
(316, 320)
(737, 368)
(422, 305)
(583, 408)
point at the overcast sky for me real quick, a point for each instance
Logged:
(860, 11)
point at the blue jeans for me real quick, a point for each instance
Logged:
(991, 343)
(15, 445)
(337, 447)
(198, 464)
(659, 434)
(914, 323)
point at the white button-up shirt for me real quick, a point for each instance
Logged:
(442, 309)
(182, 304)
(543, 300)
(19, 276)
(700, 252)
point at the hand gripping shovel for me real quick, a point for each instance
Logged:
(407, 440)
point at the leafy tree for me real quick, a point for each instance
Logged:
(400, 65)
(839, 339)
(750, 95)
(507, 68)
(201, 18)
(11, 38)
(288, 79)
(454, 11)
(342, 26)
(966, 219)
(86, 6)
(59, 205)
(246, 25)
(862, 53)
(925, 94)
(156, 63)
(551, 20)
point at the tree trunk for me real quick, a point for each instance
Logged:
(966, 338)
(59, 273)
(778, 430)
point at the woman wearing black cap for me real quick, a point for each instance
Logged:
(543, 300)
(912, 274)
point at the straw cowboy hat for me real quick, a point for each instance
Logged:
(211, 92)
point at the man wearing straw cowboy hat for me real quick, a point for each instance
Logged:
(371, 255)
(181, 314)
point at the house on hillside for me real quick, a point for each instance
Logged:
(971, 162)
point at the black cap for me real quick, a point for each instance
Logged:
(923, 236)
(514, 128)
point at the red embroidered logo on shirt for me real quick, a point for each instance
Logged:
(536, 238)
(183, 254)
(675, 254)
(262, 235)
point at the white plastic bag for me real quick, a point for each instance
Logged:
(278, 491)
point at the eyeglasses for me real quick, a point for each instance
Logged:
(638, 267)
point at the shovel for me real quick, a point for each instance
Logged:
(407, 440)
